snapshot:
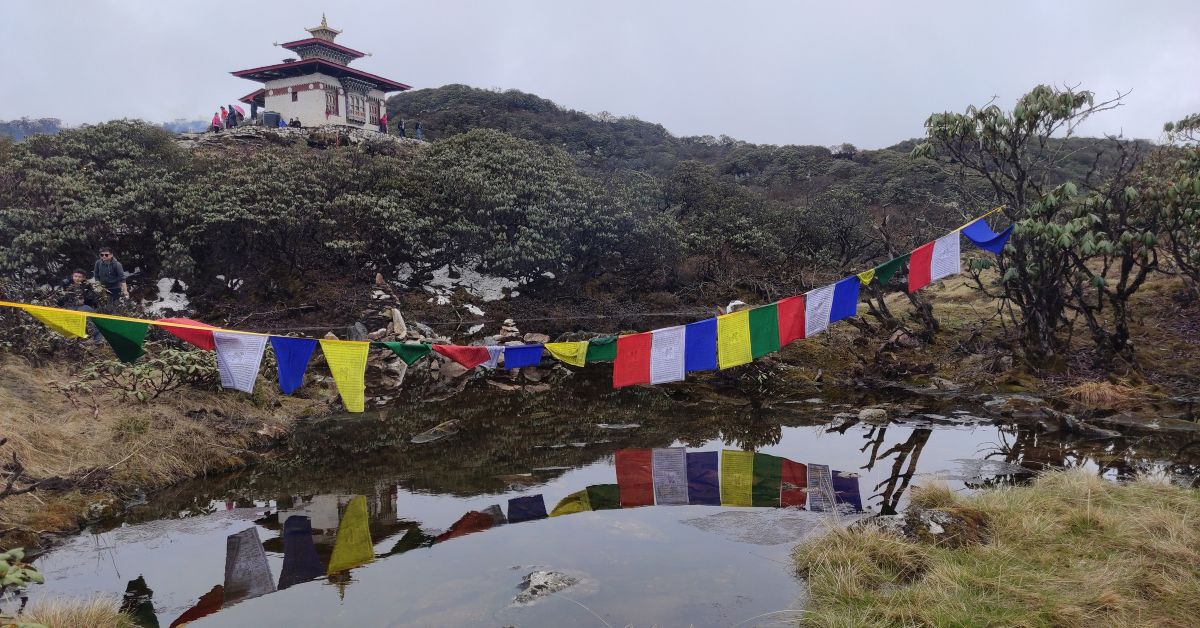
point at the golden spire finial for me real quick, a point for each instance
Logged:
(324, 24)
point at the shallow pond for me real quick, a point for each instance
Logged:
(656, 565)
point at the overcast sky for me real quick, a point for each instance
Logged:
(822, 73)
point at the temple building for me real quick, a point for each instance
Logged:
(320, 87)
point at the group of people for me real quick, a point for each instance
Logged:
(107, 272)
(226, 118)
(418, 132)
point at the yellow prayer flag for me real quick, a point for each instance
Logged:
(733, 339)
(353, 546)
(348, 363)
(573, 353)
(737, 478)
(571, 504)
(69, 323)
(866, 276)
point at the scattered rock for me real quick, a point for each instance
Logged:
(540, 584)
(951, 526)
(901, 338)
(452, 370)
(377, 334)
(537, 388)
(534, 339)
(357, 331)
(1068, 423)
(534, 374)
(397, 326)
(101, 509)
(873, 415)
(941, 383)
(618, 426)
(438, 432)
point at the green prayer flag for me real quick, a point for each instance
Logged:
(764, 330)
(125, 337)
(602, 349)
(410, 352)
(885, 271)
(604, 496)
(768, 473)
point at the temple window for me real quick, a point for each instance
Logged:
(331, 102)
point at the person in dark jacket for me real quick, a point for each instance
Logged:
(400, 128)
(110, 274)
(418, 132)
(78, 294)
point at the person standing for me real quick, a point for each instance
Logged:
(418, 132)
(224, 117)
(232, 119)
(400, 128)
(78, 293)
(109, 272)
(383, 122)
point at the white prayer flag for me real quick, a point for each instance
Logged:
(817, 305)
(238, 358)
(494, 353)
(666, 355)
(669, 468)
(946, 259)
(821, 496)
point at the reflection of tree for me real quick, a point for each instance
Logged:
(898, 480)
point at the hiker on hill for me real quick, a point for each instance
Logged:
(216, 123)
(418, 132)
(110, 274)
(383, 120)
(400, 128)
(231, 120)
(78, 294)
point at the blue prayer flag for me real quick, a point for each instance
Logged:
(704, 483)
(292, 356)
(518, 356)
(845, 299)
(526, 508)
(300, 560)
(982, 236)
(845, 490)
(700, 346)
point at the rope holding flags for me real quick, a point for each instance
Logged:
(654, 357)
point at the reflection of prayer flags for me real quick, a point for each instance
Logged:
(138, 602)
(634, 477)
(571, 504)
(791, 319)
(208, 604)
(411, 540)
(885, 271)
(468, 356)
(291, 360)
(764, 330)
(737, 478)
(238, 359)
(300, 560)
(526, 508)
(666, 355)
(670, 475)
(845, 488)
(704, 483)
(603, 349)
(573, 353)
(69, 323)
(352, 546)
(496, 513)
(982, 236)
(767, 475)
(494, 354)
(348, 364)
(604, 496)
(845, 299)
(632, 365)
(934, 261)
(866, 276)
(201, 338)
(125, 337)
(247, 573)
(733, 339)
(821, 496)
(473, 521)
(700, 345)
(409, 352)
(794, 484)
(520, 356)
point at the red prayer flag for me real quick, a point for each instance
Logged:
(634, 478)
(199, 337)
(919, 267)
(791, 319)
(632, 365)
(794, 480)
(468, 356)
(473, 521)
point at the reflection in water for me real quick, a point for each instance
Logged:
(247, 573)
(300, 560)
(137, 603)
(897, 482)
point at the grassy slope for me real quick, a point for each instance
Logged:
(1070, 550)
(104, 447)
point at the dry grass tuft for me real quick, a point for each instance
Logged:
(1104, 394)
(68, 613)
(1070, 550)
